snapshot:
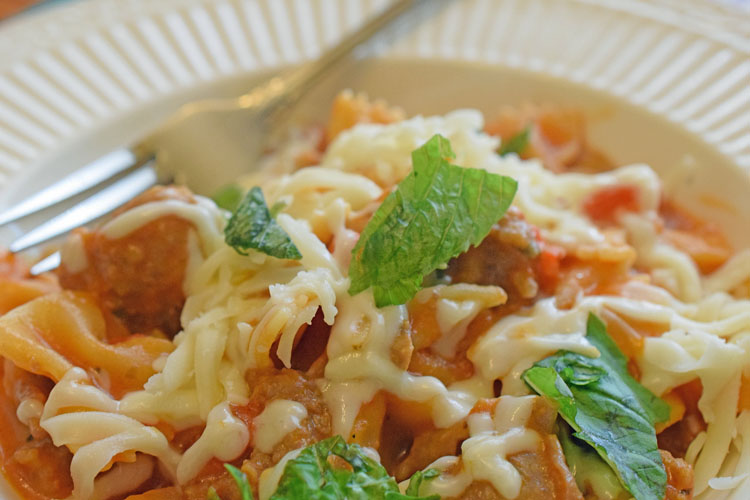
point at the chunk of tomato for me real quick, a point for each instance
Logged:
(604, 204)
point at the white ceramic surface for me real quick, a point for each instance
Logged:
(664, 82)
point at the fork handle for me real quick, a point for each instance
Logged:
(286, 90)
(308, 75)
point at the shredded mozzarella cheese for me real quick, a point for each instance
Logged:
(277, 419)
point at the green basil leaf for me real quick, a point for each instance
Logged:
(596, 334)
(228, 197)
(517, 143)
(276, 208)
(246, 493)
(312, 476)
(252, 227)
(240, 478)
(608, 409)
(592, 474)
(419, 477)
(433, 215)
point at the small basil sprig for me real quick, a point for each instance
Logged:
(517, 143)
(415, 483)
(252, 227)
(228, 197)
(246, 493)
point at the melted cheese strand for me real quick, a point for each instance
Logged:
(269, 478)
(73, 254)
(359, 349)
(484, 455)
(225, 437)
(278, 418)
(207, 219)
(545, 331)
(733, 273)
(28, 410)
(669, 267)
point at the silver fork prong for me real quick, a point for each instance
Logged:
(48, 263)
(93, 174)
(101, 203)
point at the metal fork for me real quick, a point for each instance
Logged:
(205, 145)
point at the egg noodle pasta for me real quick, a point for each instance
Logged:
(159, 352)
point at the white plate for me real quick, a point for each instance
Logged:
(664, 82)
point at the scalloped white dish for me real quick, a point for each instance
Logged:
(665, 83)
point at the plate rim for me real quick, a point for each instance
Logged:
(727, 28)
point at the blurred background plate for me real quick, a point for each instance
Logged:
(663, 82)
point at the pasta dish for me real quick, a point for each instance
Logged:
(390, 308)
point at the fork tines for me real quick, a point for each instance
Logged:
(113, 180)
